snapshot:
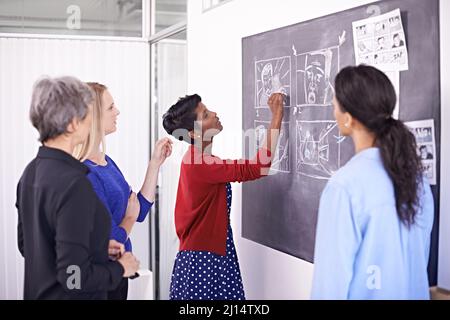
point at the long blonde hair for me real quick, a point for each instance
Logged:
(97, 132)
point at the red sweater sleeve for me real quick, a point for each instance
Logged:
(213, 170)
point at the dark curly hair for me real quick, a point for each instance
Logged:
(181, 117)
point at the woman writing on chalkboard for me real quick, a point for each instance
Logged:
(376, 212)
(206, 267)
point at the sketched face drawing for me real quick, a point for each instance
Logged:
(362, 47)
(315, 71)
(423, 153)
(315, 79)
(266, 77)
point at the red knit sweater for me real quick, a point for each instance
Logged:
(201, 209)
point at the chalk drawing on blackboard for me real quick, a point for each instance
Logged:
(280, 162)
(272, 75)
(318, 144)
(314, 73)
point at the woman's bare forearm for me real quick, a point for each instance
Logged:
(273, 133)
(148, 189)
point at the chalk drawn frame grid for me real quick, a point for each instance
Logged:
(280, 211)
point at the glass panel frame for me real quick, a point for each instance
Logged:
(212, 4)
(163, 249)
(74, 18)
(168, 13)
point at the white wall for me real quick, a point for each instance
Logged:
(215, 72)
(444, 230)
(124, 68)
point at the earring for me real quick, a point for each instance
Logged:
(346, 125)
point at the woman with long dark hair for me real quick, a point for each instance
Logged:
(207, 267)
(376, 212)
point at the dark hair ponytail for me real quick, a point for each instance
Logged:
(181, 117)
(369, 96)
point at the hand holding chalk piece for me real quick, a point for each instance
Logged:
(277, 87)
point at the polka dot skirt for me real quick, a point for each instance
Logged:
(203, 275)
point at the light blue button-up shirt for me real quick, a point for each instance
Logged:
(363, 250)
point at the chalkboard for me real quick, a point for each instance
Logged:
(280, 211)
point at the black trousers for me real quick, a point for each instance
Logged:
(121, 292)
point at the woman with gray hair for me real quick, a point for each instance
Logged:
(63, 228)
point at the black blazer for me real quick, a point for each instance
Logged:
(63, 231)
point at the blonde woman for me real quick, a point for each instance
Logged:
(108, 181)
(63, 228)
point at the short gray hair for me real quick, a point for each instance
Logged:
(56, 102)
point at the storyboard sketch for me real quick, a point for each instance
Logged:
(301, 61)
